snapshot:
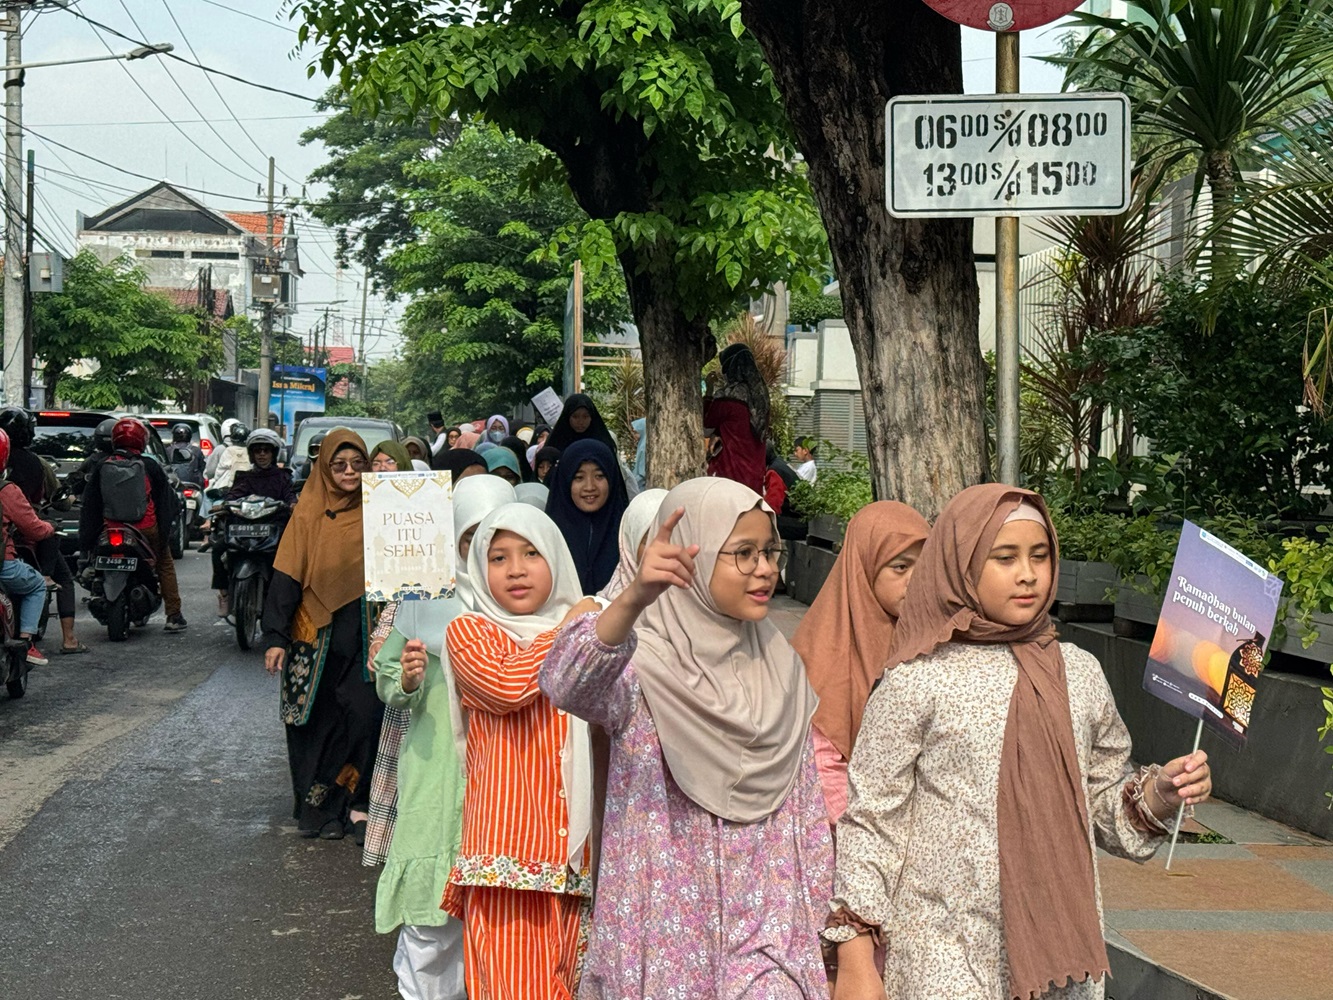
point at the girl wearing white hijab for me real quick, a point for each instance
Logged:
(521, 878)
(717, 860)
(635, 524)
(417, 799)
(532, 494)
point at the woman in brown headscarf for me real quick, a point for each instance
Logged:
(844, 638)
(315, 632)
(990, 764)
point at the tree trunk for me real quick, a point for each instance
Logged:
(909, 287)
(674, 352)
(1220, 170)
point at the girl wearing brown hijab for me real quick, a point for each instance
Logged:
(315, 632)
(990, 765)
(844, 638)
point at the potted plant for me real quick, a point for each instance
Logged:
(1306, 566)
(1086, 589)
(829, 503)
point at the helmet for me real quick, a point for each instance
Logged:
(239, 432)
(312, 449)
(129, 434)
(17, 423)
(181, 432)
(262, 437)
(4, 451)
(102, 434)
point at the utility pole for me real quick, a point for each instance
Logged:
(13, 288)
(28, 330)
(365, 287)
(266, 329)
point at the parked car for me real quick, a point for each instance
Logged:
(206, 429)
(372, 431)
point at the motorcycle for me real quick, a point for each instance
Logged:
(16, 665)
(193, 495)
(249, 531)
(122, 578)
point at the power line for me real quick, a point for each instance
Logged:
(185, 94)
(253, 17)
(244, 131)
(185, 121)
(210, 69)
(152, 100)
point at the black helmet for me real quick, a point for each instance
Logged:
(102, 434)
(17, 423)
(181, 432)
(239, 432)
(312, 449)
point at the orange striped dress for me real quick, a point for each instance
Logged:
(511, 884)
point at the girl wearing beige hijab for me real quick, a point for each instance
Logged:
(717, 858)
(990, 765)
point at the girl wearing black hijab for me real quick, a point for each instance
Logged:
(588, 498)
(544, 463)
(579, 420)
(460, 463)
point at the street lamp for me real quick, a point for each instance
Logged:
(15, 362)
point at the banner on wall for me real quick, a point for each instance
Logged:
(408, 535)
(1217, 617)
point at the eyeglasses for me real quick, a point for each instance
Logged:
(356, 465)
(747, 558)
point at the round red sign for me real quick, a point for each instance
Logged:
(1004, 15)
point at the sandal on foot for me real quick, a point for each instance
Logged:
(73, 650)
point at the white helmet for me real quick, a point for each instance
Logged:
(227, 425)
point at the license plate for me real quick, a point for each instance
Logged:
(127, 564)
(251, 530)
(191, 504)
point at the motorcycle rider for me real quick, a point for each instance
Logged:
(39, 484)
(311, 456)
(129, 437)
(77, 481)
(223, 465)
(22, 582)
(264, 478)
(185, 456)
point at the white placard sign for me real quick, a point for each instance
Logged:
(952, 156)
(408, 534)
(549, 405)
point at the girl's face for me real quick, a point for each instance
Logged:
(752, 543)
(451, 438)
(590, 488)
(465, 542)
(543, 470)
(383, 463)
(507, 475)
(346, 467)
(1015, 583)
(891, 581)
(472, 470)
(413, 449)
(541, 438)
(580, 420)
(518, 575)
(497, 426)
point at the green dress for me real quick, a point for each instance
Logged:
(430, 795)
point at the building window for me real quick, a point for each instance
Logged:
(214, 255)
(168, 254)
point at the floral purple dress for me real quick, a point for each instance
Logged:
(690, 906)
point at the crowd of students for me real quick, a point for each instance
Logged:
(598, 769)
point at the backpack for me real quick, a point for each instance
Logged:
(182, 460)
(122, 478)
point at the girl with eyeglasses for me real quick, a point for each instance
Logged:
(717, 862)
(315, 628)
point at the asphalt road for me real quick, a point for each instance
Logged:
(147, 848)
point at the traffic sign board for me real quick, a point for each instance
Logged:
(1013, 15)
(1007, 154)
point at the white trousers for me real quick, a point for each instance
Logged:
(429, 962)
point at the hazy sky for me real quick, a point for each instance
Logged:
(98, 109)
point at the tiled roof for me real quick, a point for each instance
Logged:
(337, 355)
(257, 222)
(187, 299)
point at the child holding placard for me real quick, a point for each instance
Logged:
(991, 763)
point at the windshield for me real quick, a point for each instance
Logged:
(62, 442)
(371, 431)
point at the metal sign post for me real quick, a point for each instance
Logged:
(1006, 293)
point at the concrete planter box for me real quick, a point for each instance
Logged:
(829, 530)
(1133, 605)
(809, 567)
(1082, 591)
(1322, 650)
(1282, 772)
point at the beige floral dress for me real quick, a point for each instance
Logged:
(917, 849)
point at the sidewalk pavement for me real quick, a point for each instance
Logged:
(1250, 918)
